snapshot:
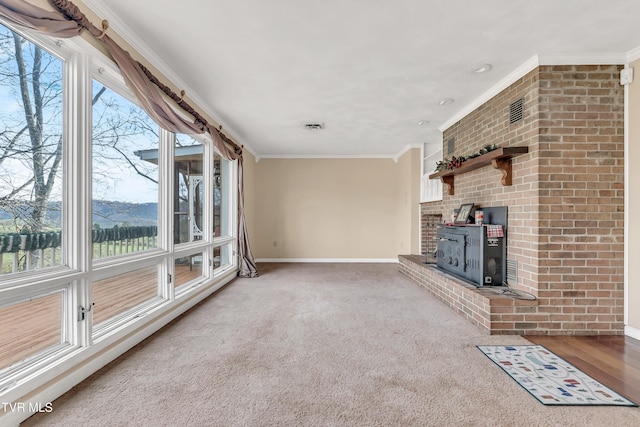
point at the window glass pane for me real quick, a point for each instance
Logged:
(221, 196)
(31, 152)
(30, 327)
(125, 176)
(115, 295)
(189, 190)
(221, 256)
(431, 189)
(187, 269)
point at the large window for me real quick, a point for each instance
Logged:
(189, 195)
(188, 269)
(31, 155)
(221, 196)
(431, 188)
(115, 296)
(31, 326)
(222, 256)
(107, 223)
(125, 175)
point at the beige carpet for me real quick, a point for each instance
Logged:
(316, 345)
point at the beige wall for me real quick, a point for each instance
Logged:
(633, 207)
(336, 208)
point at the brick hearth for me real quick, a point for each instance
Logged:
(493, 313)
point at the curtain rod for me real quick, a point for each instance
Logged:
(72, 12)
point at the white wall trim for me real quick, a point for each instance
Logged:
(633, 54)
(326, 156)
(406, 148)
(532, 63)
(253, 153)
(330, 260)
(627, 199)
(632, 332)
(583, 59)
(116, 24)
(522, 70)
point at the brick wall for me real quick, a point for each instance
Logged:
(429, 224)
(484, 307)
(566, 202)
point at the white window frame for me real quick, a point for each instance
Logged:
(232, 220)
(430, 189)
(81, 64)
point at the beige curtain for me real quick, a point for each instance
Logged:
(71, 22)
(247, 263)
(23, 14)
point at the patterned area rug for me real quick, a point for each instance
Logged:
(549, 378)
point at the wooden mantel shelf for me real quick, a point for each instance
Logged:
(500, 158)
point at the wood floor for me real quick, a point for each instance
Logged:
(612, 360)
(33, 326)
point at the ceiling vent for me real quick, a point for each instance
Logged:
(313, 126)
(516, 111)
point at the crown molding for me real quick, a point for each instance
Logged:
(394, 157)
(116, 24)
(402, 152)
(583, 59)
(101, 9)
(633, 55)
(528, 66)
(519, 72)
(326, 156)
(253, 153)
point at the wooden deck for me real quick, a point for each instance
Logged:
(34, 326)
(29, 327)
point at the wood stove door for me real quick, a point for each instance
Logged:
(454, 253)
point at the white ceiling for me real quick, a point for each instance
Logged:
(370, 70)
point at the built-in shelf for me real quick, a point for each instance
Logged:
(500, 158)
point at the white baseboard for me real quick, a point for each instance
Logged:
(330, 260)
(632, 332)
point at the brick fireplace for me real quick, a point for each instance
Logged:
(565, 204)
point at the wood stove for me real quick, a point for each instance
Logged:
(475, 253)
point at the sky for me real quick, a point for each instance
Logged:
(115, 179)
(115, 118)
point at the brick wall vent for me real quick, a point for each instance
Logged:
(512, 271)
(516, 111)
(451, 145)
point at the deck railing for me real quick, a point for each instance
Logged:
(123, 240)
(34, 251)
(29, 251)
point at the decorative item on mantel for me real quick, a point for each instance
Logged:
(456, 162)
(500, 158)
